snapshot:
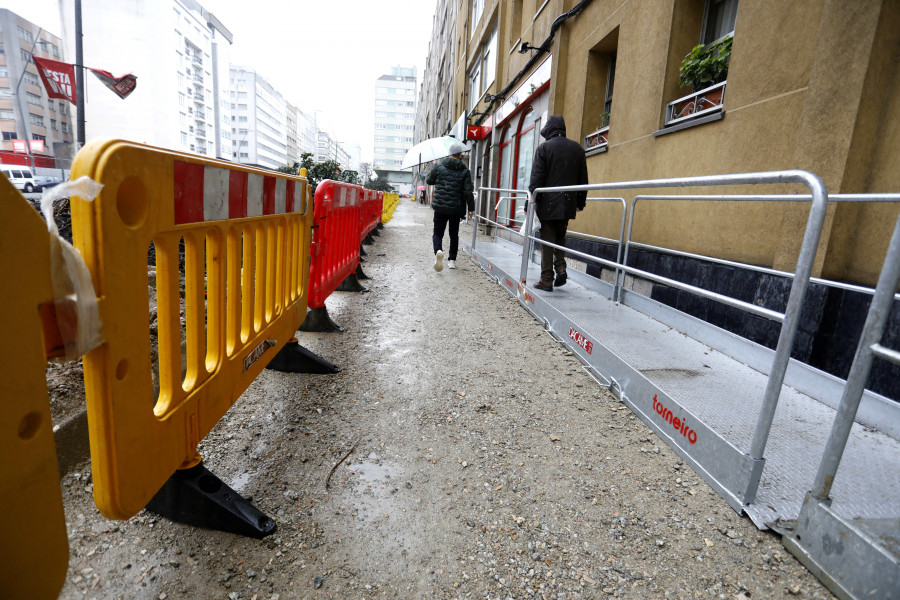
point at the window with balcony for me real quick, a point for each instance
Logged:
(598, 96)
(704, 70)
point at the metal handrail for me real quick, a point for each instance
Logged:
(478, 216)
(869, 347)
(756, 198)
(818, 204)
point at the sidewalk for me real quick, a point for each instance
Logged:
(487, 463)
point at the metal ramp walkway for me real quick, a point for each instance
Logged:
(642, 356)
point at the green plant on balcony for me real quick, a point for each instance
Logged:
(604, 120)
(705, 66)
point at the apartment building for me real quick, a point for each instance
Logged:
(395, 117)
(179, 52)
(26, 113)
(810, 85)
(259, 129)
(330, 149)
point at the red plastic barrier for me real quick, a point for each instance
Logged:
(370, 214)
(334, 253)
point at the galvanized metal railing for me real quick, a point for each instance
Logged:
(818, 199)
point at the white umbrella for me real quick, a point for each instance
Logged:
(432, 149)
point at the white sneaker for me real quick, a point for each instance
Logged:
(438, 258)
(451, 264)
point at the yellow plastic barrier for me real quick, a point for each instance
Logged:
(390, 204)
(34, 551)
(245, 235)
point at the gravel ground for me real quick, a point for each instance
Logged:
(487, 464)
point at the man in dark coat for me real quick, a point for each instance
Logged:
(557, 162)
(452, 195)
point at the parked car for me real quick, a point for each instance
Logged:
(43, 182)
(21, 178)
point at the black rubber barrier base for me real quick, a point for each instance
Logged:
(368, 240)
(318, 321)
(351, 284)
(360, 274)
(380, 226)
(294, 358)
(375, 232)
(197, 497)
(362, 252)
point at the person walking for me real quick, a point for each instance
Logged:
(558, 161)
(451, 197)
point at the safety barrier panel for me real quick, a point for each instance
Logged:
(34, 551)
(336, 238)
(390, 203)
(370, 212)
(245, 235)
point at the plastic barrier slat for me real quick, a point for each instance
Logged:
(336, 238)
(34, 551)
(245, 245)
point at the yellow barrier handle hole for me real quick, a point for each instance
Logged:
(131, 201)
(29, 425)
(121, 369)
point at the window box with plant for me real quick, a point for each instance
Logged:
(705, 71)
(599, 138)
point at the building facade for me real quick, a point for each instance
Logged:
(180, 53)
(809, 85)
(330, 149)
(260, 126)
(395, 117)
(27, 115)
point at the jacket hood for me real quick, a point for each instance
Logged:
(555, 126)
(453, 164)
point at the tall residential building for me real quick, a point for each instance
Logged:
(307, 133)
(331, 149)
(26, 113)
(260, 127)
(179, 52)
(395, 116)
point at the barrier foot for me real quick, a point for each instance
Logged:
(380, 226)
(294, 358)
(362, 252)
(318, 321)
(360, 274)
(375, 232)
(351, 284)
(197, 497)
(368, 240)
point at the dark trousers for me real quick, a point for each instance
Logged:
(441, 221)
(555, 233)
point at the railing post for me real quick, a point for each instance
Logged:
(791, 314)
(876, 320)
(526, 241)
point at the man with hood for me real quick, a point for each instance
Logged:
(452, 195)
(557, 162)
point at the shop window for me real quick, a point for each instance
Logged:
(514, 171)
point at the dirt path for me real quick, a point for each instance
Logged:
(489, 465)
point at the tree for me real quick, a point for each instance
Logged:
(315, 172)
(380, 184)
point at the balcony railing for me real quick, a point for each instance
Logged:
(597, 139)
(705, 102)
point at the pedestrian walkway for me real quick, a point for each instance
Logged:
(649, 356)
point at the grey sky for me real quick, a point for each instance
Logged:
(323, 56)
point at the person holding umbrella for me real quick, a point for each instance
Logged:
(451, 199)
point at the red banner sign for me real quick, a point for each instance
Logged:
(122, 86)
(58, 78)
(20, 146)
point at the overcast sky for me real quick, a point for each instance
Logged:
(322, 55)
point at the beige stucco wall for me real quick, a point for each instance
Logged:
(812, 85)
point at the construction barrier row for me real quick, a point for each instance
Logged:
(391, 201)
(240, 255)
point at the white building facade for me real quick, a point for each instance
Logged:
(180, 54)
(395, 117)
(259, 131)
